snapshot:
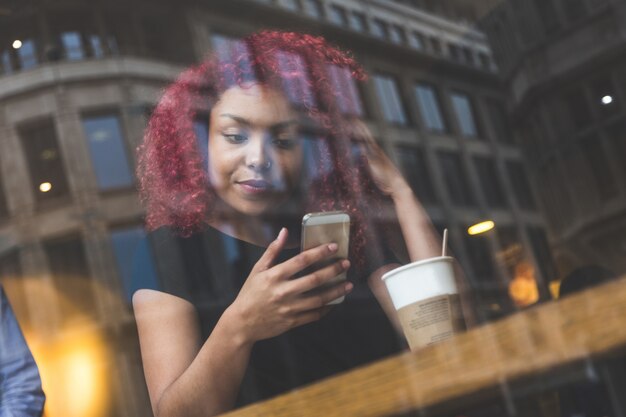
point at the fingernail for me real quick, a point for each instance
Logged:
(345, 264)
(281, 233)
(348, 287)
(332, 247)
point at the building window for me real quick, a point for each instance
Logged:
(338, 15)
(484, 60)
(435, 46)
(45, 164)
(108, 152)
(455, 177)
(70, 275)
(542, 252)
(294, 74)
(490, 181)
(358, 22)
(468, 56)
(73, 46)
(593, 152)
(499, 120)
(27, 55)
(292, 5)
(521, 187)
(134, 259)
(464, 114)
(232, 51)
(346, 91)
(396, 34)
(96, 46)
(5, 60)
(416, 40)
(481, 260)
(454, 52)
(379, 29)
(389, 99)
(313, 8)
(413, 164)
(429, 108)
(201, 129)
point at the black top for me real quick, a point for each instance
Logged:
(208, 269)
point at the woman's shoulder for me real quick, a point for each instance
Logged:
(148, 299)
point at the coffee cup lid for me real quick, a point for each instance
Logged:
(417, 263)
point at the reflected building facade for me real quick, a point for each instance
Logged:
(564, 69)
(75, 96)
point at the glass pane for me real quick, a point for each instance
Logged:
(108, 152)
(73, 46)
(464, 114)
(390, 101)
(429, 108)
(134, 259)
(27, 55)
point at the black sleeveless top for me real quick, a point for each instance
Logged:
(208, 269)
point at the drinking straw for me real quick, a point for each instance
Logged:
(445, 242)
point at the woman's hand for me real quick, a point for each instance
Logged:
(271, 302)
(385, 174)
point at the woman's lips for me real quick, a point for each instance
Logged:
(255, 187)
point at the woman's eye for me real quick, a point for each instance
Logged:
(285, 143)
(235, 137)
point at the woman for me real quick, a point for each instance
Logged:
(265, 332)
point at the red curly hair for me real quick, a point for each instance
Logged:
(172, 177)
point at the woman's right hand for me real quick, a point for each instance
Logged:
(271, 302)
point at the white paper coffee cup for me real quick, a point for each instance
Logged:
(425, 295)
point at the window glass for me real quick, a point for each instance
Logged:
(5, 58)
(379, 28)
(490, 182)
(413, 164)
(108, 151)
(455, 177)
(396, 34)
(313, 8)
(521, 187)
(358, 22)
(292, 5)
(416, 40)
(135, 261)
(45, 164)
(430, 111)
(338, 15)
(347, 94)
(73, 45)
(464, 114)
(389, 99)
(96, 46)
(27, 55)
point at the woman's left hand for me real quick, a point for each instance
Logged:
(385, 174)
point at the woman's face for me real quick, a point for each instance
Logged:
(255, 153)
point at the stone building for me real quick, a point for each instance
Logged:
(563, 67)
(77, 83)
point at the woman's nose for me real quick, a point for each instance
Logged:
(258, 154)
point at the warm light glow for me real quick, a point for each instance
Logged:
(74, 354)
(523, 288)
(555, 289)
(607, 99)
(44, 187)
(17, 44)
(481, 227)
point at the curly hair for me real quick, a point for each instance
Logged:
(172, 176)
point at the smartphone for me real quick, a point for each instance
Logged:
(327, 227)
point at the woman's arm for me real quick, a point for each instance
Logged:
(186, 377)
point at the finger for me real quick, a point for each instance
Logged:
(317, 278)
(272, 251)
(315, 301)
(307, 258)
